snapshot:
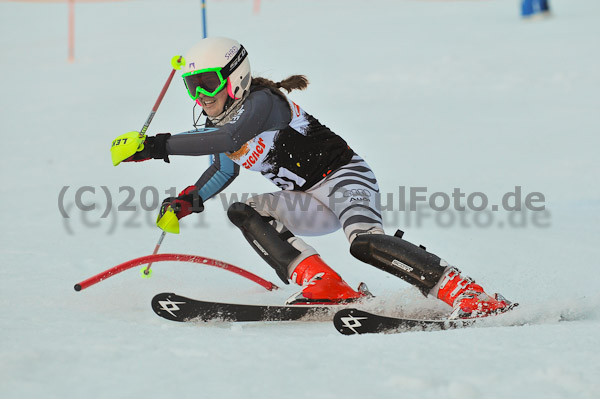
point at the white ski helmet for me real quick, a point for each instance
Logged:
(222, 62)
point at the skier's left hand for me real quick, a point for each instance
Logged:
(188, 201)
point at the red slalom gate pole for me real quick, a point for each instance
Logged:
(71, 31)
(177, 258)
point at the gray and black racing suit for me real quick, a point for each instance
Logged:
(269, 135)
(325, 185)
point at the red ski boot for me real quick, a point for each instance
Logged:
(322, 285)
(468, 298)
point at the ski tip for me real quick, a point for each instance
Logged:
(77, 287)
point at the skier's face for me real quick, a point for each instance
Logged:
(213, 106)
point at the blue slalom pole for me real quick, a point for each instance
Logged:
(204, 19)
(211, 158)
(530, 8)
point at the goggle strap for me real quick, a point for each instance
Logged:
(234, 63)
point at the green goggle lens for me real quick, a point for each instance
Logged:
(206, 81)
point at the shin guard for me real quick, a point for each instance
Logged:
(263, 237)
(399, 257)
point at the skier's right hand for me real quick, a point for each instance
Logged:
(136, 147)
(153, 147)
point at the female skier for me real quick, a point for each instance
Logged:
(324, 185)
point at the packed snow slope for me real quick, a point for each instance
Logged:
(435, 95)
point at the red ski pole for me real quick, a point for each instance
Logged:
(177, 62)
(129, 143)
(147, 272)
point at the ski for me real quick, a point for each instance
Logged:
(180, 308)
(354, 321)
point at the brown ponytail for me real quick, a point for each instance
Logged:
(294, 82)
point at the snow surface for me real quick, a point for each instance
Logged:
(435, 94)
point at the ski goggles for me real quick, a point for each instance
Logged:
(204, 81)
(211, 81)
